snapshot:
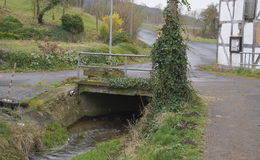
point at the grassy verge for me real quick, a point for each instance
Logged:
(150, 27)
(237, 72)
(177, 136)
(104, 151)
(200, 39)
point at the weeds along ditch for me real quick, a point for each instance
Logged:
(87, 132)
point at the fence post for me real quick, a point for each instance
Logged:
(78, 66)
(126, 62)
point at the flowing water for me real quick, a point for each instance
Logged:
(86, 133)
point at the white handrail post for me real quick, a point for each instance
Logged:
(111, 27)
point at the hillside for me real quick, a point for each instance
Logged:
(23, 10)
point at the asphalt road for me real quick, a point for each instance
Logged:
(233, 131)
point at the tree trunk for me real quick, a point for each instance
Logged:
(40, 18)
(97, 22)
(5, 4)
(174, 8)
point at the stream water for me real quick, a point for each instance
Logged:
(86, 133)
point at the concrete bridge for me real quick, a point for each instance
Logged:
(97, 98)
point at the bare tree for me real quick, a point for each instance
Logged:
(209, 17)
(132, 16)
(43, 6)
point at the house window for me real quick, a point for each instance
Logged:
(250, 9)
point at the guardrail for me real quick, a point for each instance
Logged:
(124, 67)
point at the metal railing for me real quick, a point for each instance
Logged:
(250, 59)
(124, 67)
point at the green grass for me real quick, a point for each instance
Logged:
(55, 135)
(4, 130)
(200, 39)
(104, 151)
(236, 72)
(179, 135)
(22, 9)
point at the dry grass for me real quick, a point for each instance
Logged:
(24, 138)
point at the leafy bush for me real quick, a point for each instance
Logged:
(10, 24)
(6, 35)
(37, 61)
(58, 34)
(104, 32)
(27, 33)
(55, 135)
(120, 37)
(117, 26)
(72, 23)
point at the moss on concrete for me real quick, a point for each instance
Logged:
(103, 73)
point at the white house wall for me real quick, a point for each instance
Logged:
(236, 30)
(223, 55)
(236, 59)
(239, 5)
(258, 8)
(225, 33)
(225, 14)
(248, 33)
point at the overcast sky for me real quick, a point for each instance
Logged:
(195, 4)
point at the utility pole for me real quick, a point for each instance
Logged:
(111, 27)
(132, 19)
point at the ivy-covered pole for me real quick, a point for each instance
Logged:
(170, 61)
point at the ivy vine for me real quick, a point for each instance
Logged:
(170, 62)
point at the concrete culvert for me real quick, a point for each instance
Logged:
(98, 104)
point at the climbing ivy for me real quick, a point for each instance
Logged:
(170, 64)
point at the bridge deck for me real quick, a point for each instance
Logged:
(99, 87)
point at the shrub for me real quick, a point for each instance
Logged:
(27, 33)
(72, 23)
(128, 47)
(48, 47)
(6, 35)
(10, 24)
(117, 26)
(120, 37)
(104, 32)
(58, 34)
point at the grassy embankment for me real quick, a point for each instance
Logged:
(30, 55)
(236, 72)
(178, 136)
(187, 37)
